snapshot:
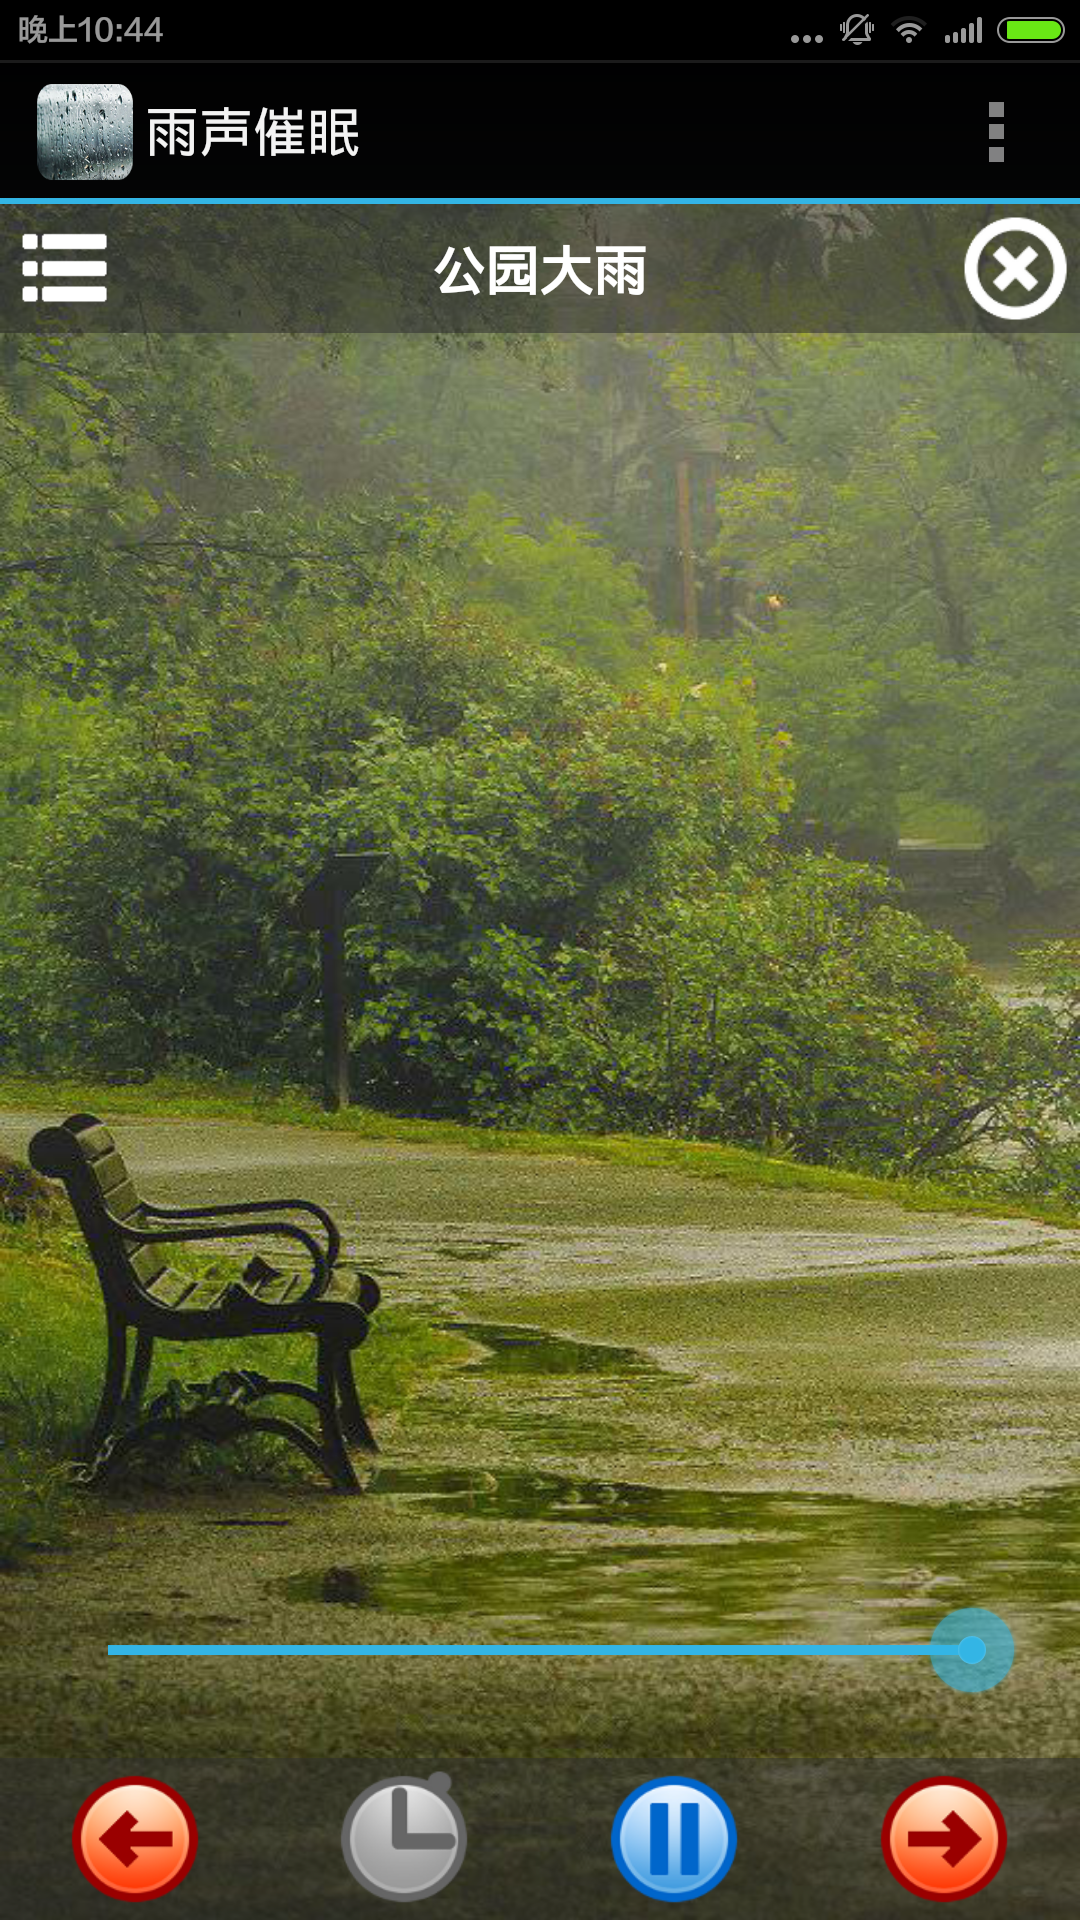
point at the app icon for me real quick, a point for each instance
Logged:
(85, 132)
(135, 1838)
(404, 1839)
(943, 1838)
(673, 1838)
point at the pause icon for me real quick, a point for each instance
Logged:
(673, 1838)
(689, 1813)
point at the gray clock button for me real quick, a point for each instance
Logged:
(404, 1839)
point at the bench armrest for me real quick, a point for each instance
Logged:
(148, 1237)
(241, 1207)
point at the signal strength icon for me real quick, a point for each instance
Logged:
(969, 36)
(909, 27)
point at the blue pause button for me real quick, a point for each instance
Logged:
(689, 1838)
(673, 1838)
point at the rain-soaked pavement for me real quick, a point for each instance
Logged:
(691, 1412)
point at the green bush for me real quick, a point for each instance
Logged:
(566, 591)
(25, 1196)
(796, 1009)
(510, 792)
(581, 918)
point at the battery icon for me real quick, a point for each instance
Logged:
(1024, 28)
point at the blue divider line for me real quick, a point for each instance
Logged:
(503, 1650)
(813, 198)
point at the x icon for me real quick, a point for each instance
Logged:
(1015, 257)
(1015, 267)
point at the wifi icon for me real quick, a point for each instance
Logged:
(909, 26)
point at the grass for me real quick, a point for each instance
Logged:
(181, 1097)
(950, 823)
(52, 1346)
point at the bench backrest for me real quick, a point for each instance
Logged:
(83, 1154)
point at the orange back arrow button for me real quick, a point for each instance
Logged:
(135, 1838)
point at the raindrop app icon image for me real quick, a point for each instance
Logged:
(673, 1838)
(85, 132)
(404, 1839)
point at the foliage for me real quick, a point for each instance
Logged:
(566, 590)
(796, 1009)
(24, 1195)
(507, 790)
(899, 516)
(222, 658)
(1049, 1120)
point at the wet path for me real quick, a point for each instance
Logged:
(707, 1567)
(783, 1480)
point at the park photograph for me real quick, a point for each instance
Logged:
(539, 1037)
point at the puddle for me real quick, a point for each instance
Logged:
(532, 1543)
(530, 1350)
(518, 1495)
(762, 1566)
(476, 1249)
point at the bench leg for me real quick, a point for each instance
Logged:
(335, 1453)
(112, 1392)
(140, 1373)
(353, 1417)
(117, 1431)
(174, 1432)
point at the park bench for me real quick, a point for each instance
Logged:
(143, 1295)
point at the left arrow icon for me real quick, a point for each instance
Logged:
(122, 1839)
(135, 1838)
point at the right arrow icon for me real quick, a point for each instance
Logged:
(957, 1839)
(944, 1838)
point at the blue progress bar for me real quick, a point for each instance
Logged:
(970, 1650)
(504, 1650)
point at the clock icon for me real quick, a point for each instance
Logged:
(404, 1839)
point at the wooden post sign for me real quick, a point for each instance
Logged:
(697, 449)
(320, 908)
